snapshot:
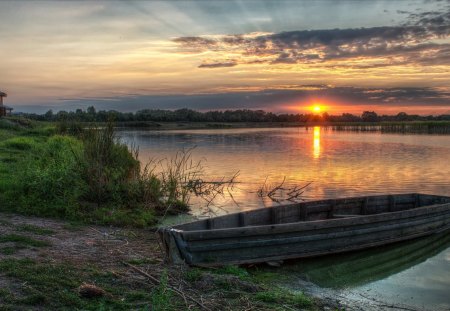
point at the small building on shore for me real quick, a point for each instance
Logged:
(4, 110)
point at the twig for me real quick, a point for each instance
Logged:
(175, 290)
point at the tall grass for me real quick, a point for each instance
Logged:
(95, 177)
(47, 183)
(105, 164)
(177, 175)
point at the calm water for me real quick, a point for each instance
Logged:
(338, 164)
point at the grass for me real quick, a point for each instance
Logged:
(283, 297)
(22, 240)
(233, 270)
(193, 274)
(90, 177)
(162, 296)
(34, 229)
(9, 250)
(54, 286)
(48, 285)
(140, 261)
(74, 225)
(256, 287)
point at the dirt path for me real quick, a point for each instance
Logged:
(103, 246)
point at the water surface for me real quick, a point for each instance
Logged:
(339, 164)
(415, 274)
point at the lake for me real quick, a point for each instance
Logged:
(338, 164)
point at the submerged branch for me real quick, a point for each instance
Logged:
(279, 192)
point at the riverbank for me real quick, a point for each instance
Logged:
(45, 262)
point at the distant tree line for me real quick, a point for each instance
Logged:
(244, 115)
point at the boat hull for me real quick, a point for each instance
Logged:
(281, 239)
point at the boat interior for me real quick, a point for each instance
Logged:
(317, 210)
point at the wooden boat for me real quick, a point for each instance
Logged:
(306, 229)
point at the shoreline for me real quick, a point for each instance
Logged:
(111, 257)
(406, 127)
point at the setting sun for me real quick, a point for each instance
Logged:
(317, 108)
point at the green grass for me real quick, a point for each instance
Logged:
(34, 229)
(21, 240)
(232, 270)
(19, 143)
(162, 296)
(5, 223)
(54, 286)
(90, 177)
(9, 250)
(193, 274)
(74, 225)
(284, 297)
(140, 261)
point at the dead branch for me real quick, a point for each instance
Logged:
(279, 192)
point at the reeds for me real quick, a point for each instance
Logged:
(422, 127)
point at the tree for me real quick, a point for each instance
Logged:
(49, 115)
(369, 116)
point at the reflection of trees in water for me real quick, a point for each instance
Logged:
(359, 268)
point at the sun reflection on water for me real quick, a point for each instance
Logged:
(316, 144)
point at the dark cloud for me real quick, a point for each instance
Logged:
(195, 44)
(216, 65)
(404, 44)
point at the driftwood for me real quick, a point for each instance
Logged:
(175, 290)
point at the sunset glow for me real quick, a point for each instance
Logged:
(202, 55)
(317, 108)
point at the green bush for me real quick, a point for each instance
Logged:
(48, 183)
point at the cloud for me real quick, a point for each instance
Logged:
(218, 64)
(423, 39)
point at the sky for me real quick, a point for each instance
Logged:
(280, 56)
